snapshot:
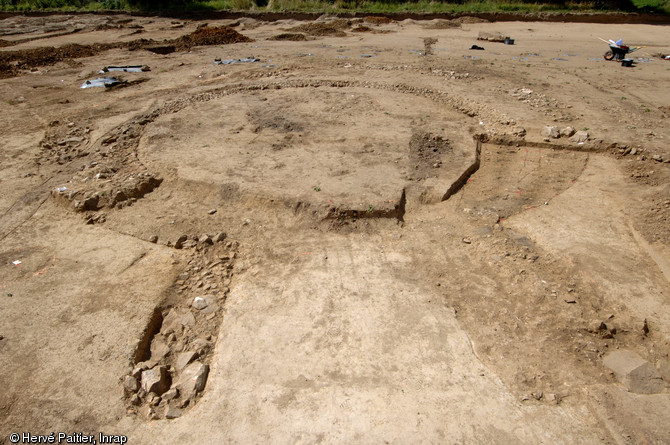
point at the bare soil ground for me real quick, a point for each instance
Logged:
(343, 241)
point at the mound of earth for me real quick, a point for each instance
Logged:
(29, 58)
(221, 35)
(333, 28)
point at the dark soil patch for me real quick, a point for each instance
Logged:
(267, 119)
(362, 28)
(7, 70)
(291, 36)
(425, 152)
(5, 43)
(166, 49)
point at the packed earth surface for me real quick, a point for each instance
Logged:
(333, 231)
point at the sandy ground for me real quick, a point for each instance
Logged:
(388, 248)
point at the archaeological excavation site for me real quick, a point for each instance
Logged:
(280, 229)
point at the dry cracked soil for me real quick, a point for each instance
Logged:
(313, 232)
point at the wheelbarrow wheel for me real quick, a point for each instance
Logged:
(609, 55)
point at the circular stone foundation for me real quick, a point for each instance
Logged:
(351, 148)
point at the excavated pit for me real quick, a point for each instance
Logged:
(506, 180)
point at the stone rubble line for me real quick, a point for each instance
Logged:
(130, 132)
(125, 138)
(169, 369)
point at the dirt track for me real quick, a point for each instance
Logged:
(347, 240)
